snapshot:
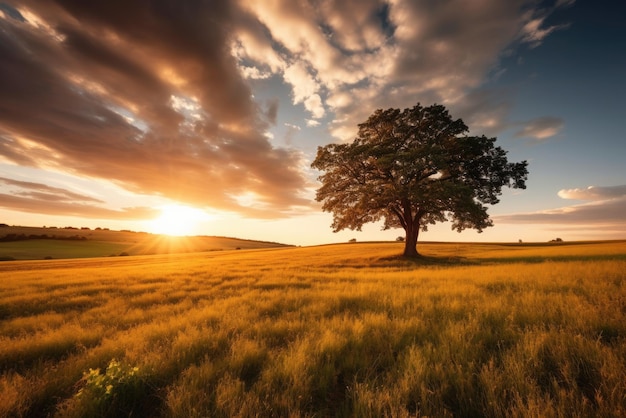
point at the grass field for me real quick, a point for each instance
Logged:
(468, 330)
(105, 243)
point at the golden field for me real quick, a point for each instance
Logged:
(468, 330)
(61, 243)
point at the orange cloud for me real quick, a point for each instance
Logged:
(40, 198)
(94, 93)
(156, 96)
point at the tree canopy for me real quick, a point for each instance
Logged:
(412, 168)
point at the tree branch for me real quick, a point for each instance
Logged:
(398, 213)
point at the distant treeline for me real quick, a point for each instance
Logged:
(24, 237)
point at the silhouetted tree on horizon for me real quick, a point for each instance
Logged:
(413, 168)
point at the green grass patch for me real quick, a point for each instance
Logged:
(30, 243)
(56, 249)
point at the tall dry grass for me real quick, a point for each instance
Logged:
(344, 330)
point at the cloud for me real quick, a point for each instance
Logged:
(157, 97)
(607, 207)
(314, 105)
(312, 123)
(291, 132)
(40, 198)
(292, 127)
(602, 212)
(272, 111)
(254, 73)
(534, 34)
(565, 3)
(54, 193)
(88, 89)
(484, 111)
(305, 89)
(356, 25)
(391, 54)
(534, 31)
(594, 193)
(541, 128)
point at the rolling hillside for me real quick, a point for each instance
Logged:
(30, 243)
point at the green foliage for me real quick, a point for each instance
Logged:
(102, 387)
(116, 392)
(413, 168)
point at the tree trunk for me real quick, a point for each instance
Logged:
(410, 243)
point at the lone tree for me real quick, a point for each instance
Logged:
(413, 168)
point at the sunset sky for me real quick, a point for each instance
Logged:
(203, 117)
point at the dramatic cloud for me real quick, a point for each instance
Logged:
(541, 128)
(390, 54)
(145, 95)
(36, 197)
(608, 207)
(157, 97)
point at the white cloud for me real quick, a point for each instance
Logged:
(302, 82)
(594, 193)
(534, 32)
(541, 128)
(314, 105)
(305, 89)
(393, 54)
(293, 127)
(312, 123)
(254, 73)
(252, 43)
(599, 212)
(607, 208)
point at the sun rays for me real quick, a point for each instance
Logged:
(178, 220)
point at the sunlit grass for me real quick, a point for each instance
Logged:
(343, 330)
(105, 243)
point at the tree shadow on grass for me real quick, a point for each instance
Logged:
(400, 261)
(423, 261)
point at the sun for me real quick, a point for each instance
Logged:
(177, 220)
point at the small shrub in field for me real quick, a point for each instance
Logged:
(117, 391)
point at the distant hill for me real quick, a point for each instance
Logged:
(33, 243)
